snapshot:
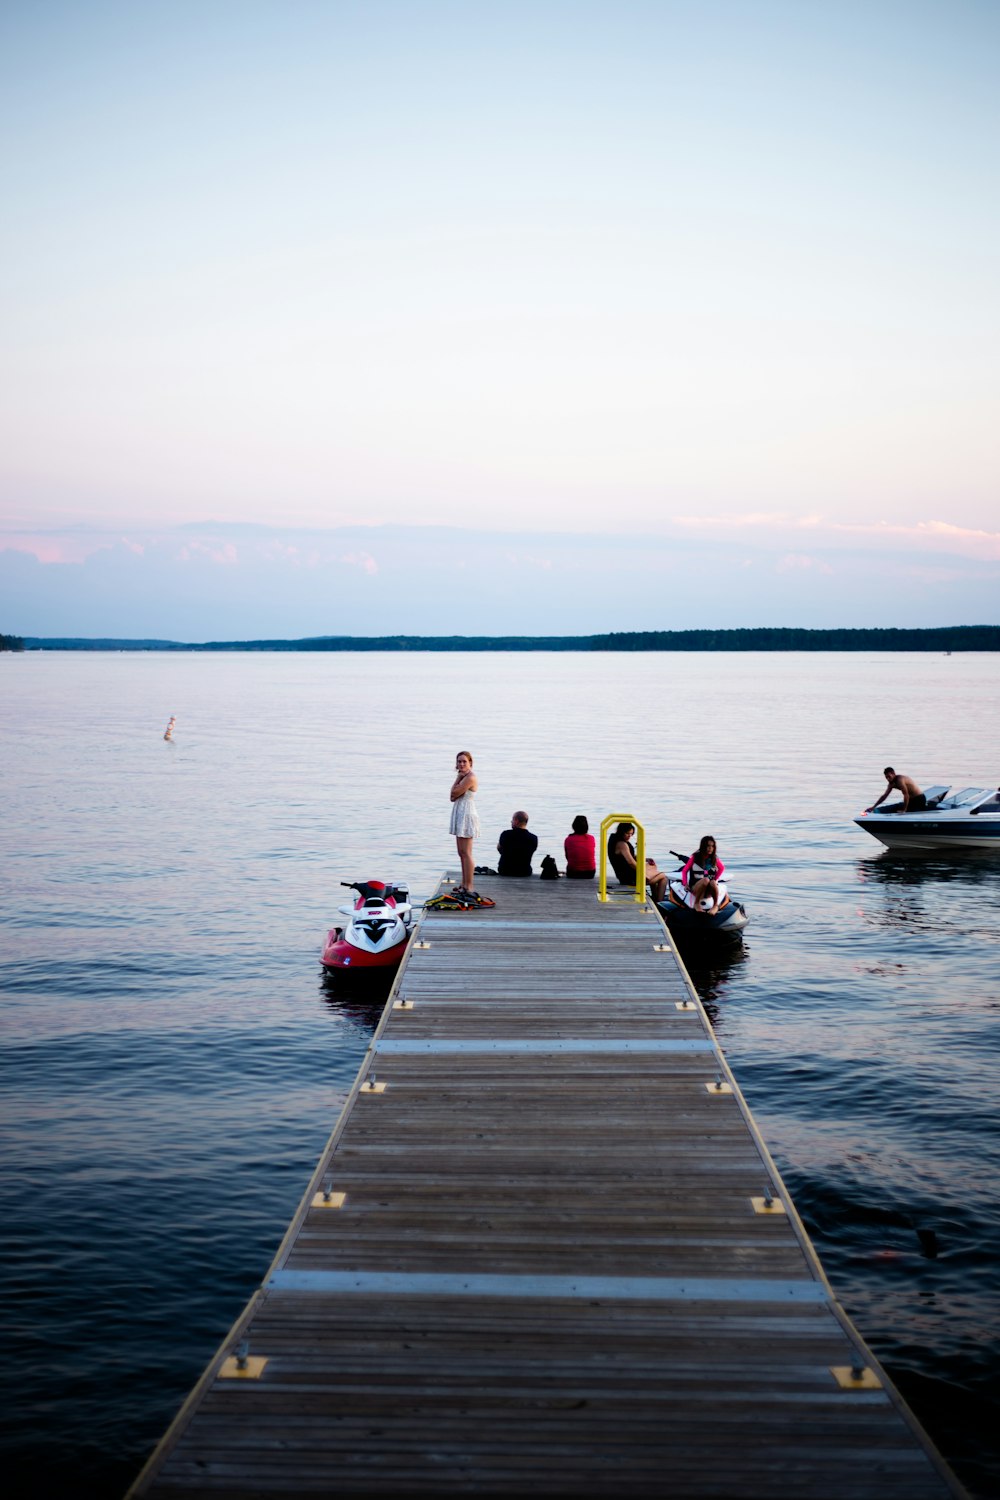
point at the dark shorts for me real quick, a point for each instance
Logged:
(917, 803)
(580, 874)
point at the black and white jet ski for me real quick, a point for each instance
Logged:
(687, 919)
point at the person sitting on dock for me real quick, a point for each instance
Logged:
(516, 846)
(913, 798)
(621, 854)
(701, 876)
(580, 851)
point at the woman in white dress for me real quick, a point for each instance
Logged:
(464, 818)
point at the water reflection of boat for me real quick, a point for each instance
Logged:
(710, 973)
(940, 898)
(888, 867)
(362, 1006)
(966, 819)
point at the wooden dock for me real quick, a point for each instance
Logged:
(545, 1253)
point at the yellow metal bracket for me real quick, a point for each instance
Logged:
(855, 1378)
(640, 856)
(422, 944)
(661, 947)
(767, 1206)
(247, 1367)
(403, 1005)
(684, 1005)
(372, 1088)
(718, 1087)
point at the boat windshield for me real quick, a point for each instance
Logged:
(963, 798)
(937, 793)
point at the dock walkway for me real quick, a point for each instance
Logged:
(545, 1253)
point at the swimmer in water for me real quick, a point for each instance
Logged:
(168, 733)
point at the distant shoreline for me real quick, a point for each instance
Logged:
(943, 638)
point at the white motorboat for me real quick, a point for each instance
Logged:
(968, 818)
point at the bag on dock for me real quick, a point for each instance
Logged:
(453, 901)
(549, 870)
(445, 902)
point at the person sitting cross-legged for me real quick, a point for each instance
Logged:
(701, 876)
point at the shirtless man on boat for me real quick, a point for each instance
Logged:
(913, 798)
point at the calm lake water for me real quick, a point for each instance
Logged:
(173, 1062)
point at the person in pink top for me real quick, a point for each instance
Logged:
(581, 851)
(701, 875)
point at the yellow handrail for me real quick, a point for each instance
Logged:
(640, 855)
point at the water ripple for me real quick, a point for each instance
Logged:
(173, 1061)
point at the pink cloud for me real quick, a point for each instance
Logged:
(362, 560)
(800, 562)
(940, 535)
(225, 556)
(528, 560)
(280, 551)
(54, 549)
(749, 519)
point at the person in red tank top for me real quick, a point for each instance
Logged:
(581, 851)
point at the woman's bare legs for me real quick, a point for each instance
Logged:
(468, 863)
(705, 888)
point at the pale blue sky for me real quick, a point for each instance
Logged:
(720, 275)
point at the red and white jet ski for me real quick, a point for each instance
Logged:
(376, 935)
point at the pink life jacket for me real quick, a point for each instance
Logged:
(686, 872)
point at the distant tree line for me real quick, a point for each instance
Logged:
(759, 638)
(102, 643)
(11, 643)
(768, 638)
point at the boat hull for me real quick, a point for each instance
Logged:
(913, 831)
(344, 957)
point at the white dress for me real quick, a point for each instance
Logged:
(464, 818)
